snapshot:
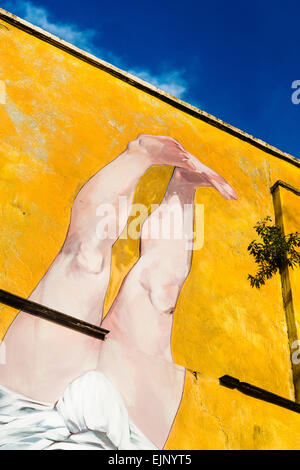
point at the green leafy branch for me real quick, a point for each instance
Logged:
(274, 252)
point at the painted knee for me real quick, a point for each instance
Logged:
(164, 297)
(90, 258)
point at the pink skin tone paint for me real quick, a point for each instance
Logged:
(43, 358)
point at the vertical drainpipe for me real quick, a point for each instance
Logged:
(287, 295)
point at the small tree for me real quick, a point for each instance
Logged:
(274, 252)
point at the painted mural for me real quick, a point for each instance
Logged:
(133, 212)
(126, 391)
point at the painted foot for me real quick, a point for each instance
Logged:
(164, 150)
(205, 176)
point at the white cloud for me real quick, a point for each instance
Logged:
(39, 16)
(171, 81)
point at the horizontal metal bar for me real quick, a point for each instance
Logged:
(54, 316)
(260, 393)
(285, 185)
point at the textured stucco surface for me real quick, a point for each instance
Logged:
(291, 220)
(63, 120)
(291, 223)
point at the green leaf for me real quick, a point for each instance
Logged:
(274, 252)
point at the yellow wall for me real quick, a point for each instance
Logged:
(291, 220)
(63, 120)
(289, 202)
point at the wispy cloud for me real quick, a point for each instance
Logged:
(40, 16)
(171, 81)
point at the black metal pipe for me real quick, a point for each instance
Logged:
(260, 393)
(54, 316)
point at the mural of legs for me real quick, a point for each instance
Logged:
(42, 358)
(137, 356)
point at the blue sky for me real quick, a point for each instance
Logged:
(236, 60)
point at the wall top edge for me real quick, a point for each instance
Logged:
(146, 87)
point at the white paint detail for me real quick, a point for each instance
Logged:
(2, 92)
(2, 353)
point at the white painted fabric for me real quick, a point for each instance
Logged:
(90, 415)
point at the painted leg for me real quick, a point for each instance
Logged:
(42, 358)
(137, 356)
